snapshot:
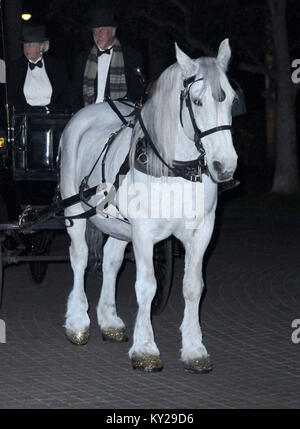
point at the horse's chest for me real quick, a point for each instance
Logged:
(173, 200)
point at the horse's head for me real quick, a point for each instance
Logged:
(206, 102)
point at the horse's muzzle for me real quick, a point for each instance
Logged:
(223, 175)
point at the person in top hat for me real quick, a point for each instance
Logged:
(37, 82)
(107, 68)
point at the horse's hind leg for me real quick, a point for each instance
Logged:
(111, 325)
(77, 320)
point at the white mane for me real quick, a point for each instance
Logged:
(160, 115)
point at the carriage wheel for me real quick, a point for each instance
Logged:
(163, 266)
(40, 245)
(38, 270)
(1, 273)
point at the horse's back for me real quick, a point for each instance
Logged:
(83, 141)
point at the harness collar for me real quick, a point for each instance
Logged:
(189, 170)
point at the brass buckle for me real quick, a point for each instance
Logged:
(196, 177)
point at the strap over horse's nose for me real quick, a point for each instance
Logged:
(215, 130)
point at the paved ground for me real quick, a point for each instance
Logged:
(253, 277)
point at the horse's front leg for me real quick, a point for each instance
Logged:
(193, 353)
(112, 327)
(144, 352)
(77, 320)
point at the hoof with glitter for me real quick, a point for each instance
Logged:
(79, 338)
(199, 366)
(114, 335)
(147, 363)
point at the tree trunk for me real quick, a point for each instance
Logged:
(13, 27)
(270, 93)
(270, 113)
(286, 176)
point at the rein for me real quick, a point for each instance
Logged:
(31, 216)
(189, 170)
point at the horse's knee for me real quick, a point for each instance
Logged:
(79, 255)
(145, 289)
(192, 291)
(110, 263)
(113, 255)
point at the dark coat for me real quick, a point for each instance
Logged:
(57, 75)
(134, 88)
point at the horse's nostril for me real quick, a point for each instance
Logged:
(217, 166)
(223, 177)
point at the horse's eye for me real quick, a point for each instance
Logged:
(198, 102)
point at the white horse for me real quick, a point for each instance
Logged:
(191, 95)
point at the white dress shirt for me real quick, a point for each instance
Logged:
(37, 87)
(103, 68)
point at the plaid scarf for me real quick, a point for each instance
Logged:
(116, 75)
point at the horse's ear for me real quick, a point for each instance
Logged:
(224, 54)
(186, 64)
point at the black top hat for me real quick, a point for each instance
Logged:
(101, 18)
(34, 34)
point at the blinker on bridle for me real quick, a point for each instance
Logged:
(189, 80)
(198, 134)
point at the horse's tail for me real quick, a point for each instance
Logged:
(94, 240)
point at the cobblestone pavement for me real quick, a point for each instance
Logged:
(252, 273)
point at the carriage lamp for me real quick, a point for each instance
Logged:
(2, 145)
(3, 140)
(26, 16)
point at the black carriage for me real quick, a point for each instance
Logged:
(28, 177)
(29, 148)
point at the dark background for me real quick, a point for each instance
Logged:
(198, 26)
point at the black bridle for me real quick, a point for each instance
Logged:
(198, 134)
(190, 170)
